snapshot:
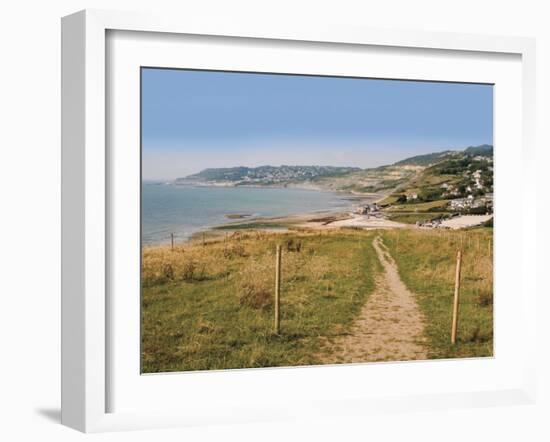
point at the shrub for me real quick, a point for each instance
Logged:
(293, 246)
(485, 298)
(188, 271)
(234, 250)
(401, 199)
(192, 271)
(168, 271)
(255, 295)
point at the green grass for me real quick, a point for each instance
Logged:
(390, 199)
(426, 261)
(210, 307)
(419, 207)
(411, 213)
(427, 179)
(253, 225)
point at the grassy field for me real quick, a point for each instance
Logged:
(426, 261)
(254, 224)
(418, 207)
(411, 213)
(210, 306)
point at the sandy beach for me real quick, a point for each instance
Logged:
(330, 220)
(356, 221)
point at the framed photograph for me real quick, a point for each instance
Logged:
(262, 222)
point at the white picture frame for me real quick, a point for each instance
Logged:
(86, 204)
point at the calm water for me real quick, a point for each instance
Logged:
(184, 210)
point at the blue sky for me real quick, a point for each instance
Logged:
(192, 120)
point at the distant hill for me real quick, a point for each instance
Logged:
(436, 157)
(484, 150)
(426, 173)
(425, 160)
(265, 175)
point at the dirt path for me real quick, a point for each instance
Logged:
(390, 326)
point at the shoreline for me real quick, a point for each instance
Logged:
(304, 222)
(324, 219)
(328, 220)
(281, 223)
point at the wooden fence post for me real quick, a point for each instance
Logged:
(277, 289)
(456, 298)
(172, 240)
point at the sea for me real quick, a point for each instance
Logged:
(185, 210)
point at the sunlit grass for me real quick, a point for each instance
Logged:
(210, 306)
(427, 263)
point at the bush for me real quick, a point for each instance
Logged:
(256, 295)
(485, 298)
(478, 210)
(293, 246)
(234, 250)
(401, 199)
(168, 271)
(429, 195)
(192, 271)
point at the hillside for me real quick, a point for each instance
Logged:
(423, 178)
(264, 175)
(427, 159)
(377, 180)
(459, 183)
(436, 157)
(482, 150)
(351, 179)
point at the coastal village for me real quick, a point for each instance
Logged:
(363, 215)
(465, 200)
(445, 190)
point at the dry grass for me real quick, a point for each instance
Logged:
(210, 306)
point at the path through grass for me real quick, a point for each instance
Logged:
(426, 260)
